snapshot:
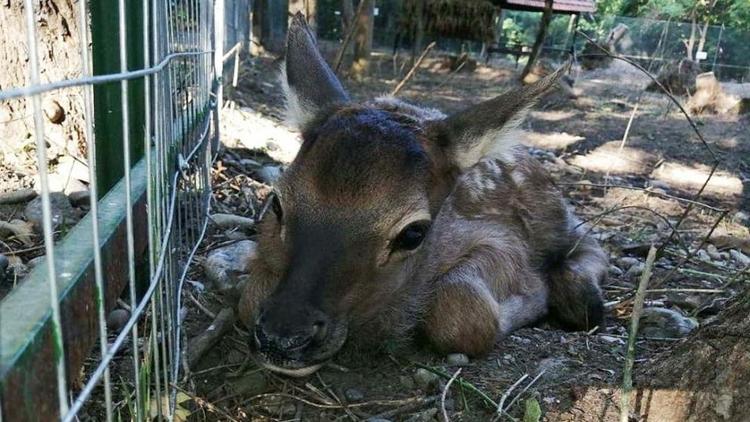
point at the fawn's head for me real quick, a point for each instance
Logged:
(351, 214)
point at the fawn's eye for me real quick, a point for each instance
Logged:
(411, 237)
(276, 206)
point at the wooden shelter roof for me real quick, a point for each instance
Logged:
(558, 6)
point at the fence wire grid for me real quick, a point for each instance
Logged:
(148, 226)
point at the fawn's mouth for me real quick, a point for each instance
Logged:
(304, 361)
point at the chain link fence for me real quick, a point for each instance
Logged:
(153, 110)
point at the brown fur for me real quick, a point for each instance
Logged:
(502, 250)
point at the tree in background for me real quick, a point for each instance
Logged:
(363, 39)
(307, 8)
(537, 48)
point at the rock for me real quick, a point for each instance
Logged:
(407, 382)
(54, 111)
(636, 270)
(742, 217)
(16, 265)
(224, 265)
(250, 384)
(665, 323)
(269, 174)
(703, 256)
(615, 271)
(425, 379)
(457, 359)
(17, 197)
(34, 262)
(353, 395)
(230, 221)
(80, 198)
(626, 262)
(739, 257)
(62, 211)
(250, 164)
(713, 252)
(117, 319)
(610, 339)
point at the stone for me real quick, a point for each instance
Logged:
(34, 262)
(230, 221)
(713, 252)
(626, 262)
(457, 359)
(80, 198)
(224, 265)
(354, 395)
(61, 210)
(740, 257)
(250, 384)
(703, 256)
(117, 319)
(425, 379)
(54, 111)
(269, 174)
(636, 270)
(615, 271)
(665, 323)
(17, 196)
(407, 382)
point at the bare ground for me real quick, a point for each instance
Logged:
(580, 142)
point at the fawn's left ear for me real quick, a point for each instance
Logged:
(310, 86)
(486, 129)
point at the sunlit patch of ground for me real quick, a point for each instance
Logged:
(693, 177)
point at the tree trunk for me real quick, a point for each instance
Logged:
(418, 36)
(704, 378)
(540, 36)
(702, 41)
(363, 41)
(308, 8)
(347, 14)
(691, 42)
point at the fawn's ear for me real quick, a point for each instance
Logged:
(487, 129)
(310, 86)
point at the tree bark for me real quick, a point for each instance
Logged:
(363, 40)
(309, 8)
(418, 36)
(540, 36)
(691, 42)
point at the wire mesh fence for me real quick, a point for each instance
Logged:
(132, 249)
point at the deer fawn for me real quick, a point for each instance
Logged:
(395, 220)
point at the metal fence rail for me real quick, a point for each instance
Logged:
(135, 244)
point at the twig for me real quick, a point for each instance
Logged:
(406, 408)
(348, 38)
(205, 340)
(536, 378)
(201, 306)
(205, 403)
(505, 396)
(464, 384)
(445, 393)
(640, 297)
(413, 69)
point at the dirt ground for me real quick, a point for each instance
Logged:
(580, 141)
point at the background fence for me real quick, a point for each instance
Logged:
(149, 86)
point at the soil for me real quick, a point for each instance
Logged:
(657, 164)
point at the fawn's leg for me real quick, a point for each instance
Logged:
(483, 298)
(575, 300)
(258, 286)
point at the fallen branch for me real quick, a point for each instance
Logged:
(627, 373)
(413, 69)
(204, 341)
(505, 396)
(445, 393)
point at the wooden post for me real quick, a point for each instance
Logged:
(540, 36)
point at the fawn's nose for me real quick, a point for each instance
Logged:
(283, 335)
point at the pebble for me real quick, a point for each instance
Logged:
(117, 319)
(79, 198)
(226, 264)
(703, 256)
(636, 269)
(457, 359)
(615, 271)
(17, 197)
(353, 395)
(269, 174)
(665, 323)
(62, 211)
(626, 262)
(739, 257)
(425, 379)
(610, 339)
(713, 252)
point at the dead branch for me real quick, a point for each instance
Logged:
(445, 393)
(207, 339)
(627, 373)
(422, 402)
(506, 394)
(413, 69)
(348, 38)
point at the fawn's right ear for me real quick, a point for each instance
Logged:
(310, 86)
